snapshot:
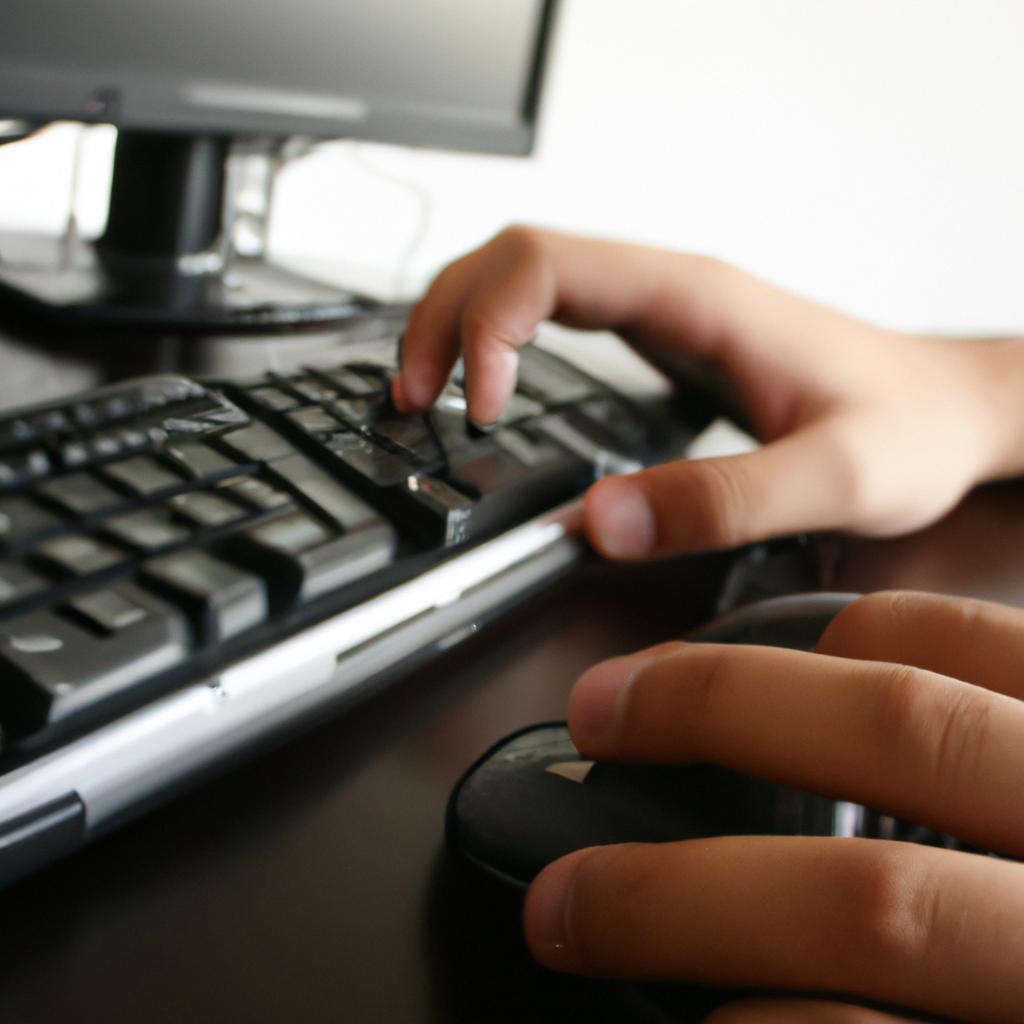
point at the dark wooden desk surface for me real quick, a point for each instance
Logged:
(311, 884)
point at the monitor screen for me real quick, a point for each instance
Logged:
(461, 74)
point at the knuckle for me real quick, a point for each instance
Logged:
(893, 906)
(481, 329)
(519, 238)
(941, 727)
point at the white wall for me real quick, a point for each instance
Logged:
(867, 152)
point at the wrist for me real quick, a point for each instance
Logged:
(996, 371)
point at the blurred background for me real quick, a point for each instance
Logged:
(868, 153)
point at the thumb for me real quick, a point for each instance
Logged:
(804, 481)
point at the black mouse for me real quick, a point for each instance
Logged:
(531, 798)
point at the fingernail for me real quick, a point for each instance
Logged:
(476, 429)
(623, 520)
(545, 916)
(597, 704)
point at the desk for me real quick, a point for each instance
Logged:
(311, 885)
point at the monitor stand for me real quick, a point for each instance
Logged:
(170, 259)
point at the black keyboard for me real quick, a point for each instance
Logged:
(187, 565)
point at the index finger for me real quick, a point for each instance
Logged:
(488, 304)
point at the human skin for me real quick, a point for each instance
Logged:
(913, 703)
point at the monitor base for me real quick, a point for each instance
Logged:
(52, 284)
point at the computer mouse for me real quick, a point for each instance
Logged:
(531, 798)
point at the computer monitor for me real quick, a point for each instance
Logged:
(184, 82)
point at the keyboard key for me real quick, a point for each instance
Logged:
(313, 390)
(205, 509)
(107, 610)
(222, 601)
(415, 436)
(367, 460)
(323, 492)
(200, 461)
(77, 554)
(54, 668)
(301, 560)
(436, 512)
(274, 399)
(80, 493)
(22, 519)
(142, 475)
(17, 582)
(256, 443)
(314, 420)
(354, 385)
(257, 494)
(549, 380)
(529, 451)
(357, 412)
(603, 460)
(148, 530)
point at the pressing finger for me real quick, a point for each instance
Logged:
(919, 745)
(902, 924)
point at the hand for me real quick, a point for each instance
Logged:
(869, 719)
(863, 429)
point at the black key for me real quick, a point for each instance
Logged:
(612, 421)
(274, 399)
(148, 530)
(487, 471)
(54, 667)
(200, 461)
(521, 408)
(314, 420)
(416, 437)
(80, 493)
(603, 460)
(324, 492)
(221, 600)
(205, 509)
(301, 560)
(436, 512)
(549, 380)
(17, 582)
(257, 494)
(107, 610)
(142, 475)
(21, 519)
(313, 390)
(530, 451)
(354, 385)
(361, 456)
(358, 412)
(256, 443)
(77, 554)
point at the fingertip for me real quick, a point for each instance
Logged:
(546, 924)
(619, 519)
(597, 703)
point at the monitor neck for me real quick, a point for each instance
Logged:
(166, 198)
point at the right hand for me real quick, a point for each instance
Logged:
(863, 429)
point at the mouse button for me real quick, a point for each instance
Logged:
(510, 816)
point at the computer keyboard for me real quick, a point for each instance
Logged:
(188, 567)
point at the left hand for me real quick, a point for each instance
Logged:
(914, 704)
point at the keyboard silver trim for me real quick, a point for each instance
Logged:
(125, 762)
